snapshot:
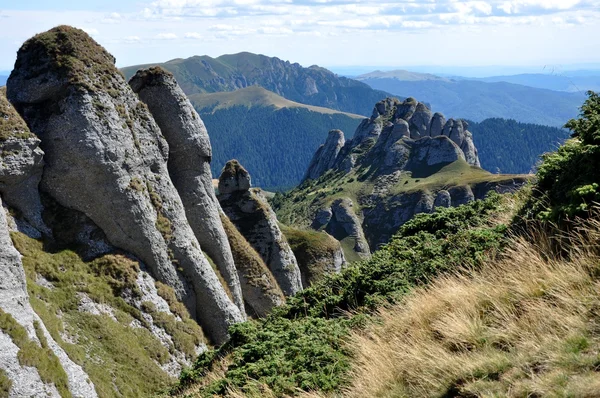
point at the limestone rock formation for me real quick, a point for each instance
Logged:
(21, 165)
(260, 289)
(250, 212)
(105, 156)
(394, 127)
(16, 314)
(324, 158)
(189, 166)
(388, 172)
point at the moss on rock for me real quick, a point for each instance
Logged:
(11, 123)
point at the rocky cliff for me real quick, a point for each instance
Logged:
(402, 160)
(189, 166)
(249, 210)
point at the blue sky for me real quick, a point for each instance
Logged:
(402, 33)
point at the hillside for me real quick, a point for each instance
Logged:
(508, 146)
(402, 161)
(272, 136)
(312, 86)
(476, 100)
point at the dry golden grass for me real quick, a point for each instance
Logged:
(527, 325)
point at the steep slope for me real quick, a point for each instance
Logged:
(272, 136)
(402, 161)
(508, 146)
(476, 100)
(312, 86)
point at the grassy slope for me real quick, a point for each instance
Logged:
(121, 360)
(254, 96)
(301, 345)
(298, 206)
(526, 325)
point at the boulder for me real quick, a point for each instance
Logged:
(252, 215)
(420, 122)
(106, 157)
(189, 166)
(345, 224)
(437, 124)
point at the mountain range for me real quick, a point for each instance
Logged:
(312, 86)
(479, 100)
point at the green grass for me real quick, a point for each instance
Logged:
(5, 384)
(32, 354)
(11, 123)
(121, 360)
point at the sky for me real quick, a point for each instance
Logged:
(534, 35)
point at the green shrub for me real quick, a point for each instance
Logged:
(568, 179)
(5, 384)
(300, 345)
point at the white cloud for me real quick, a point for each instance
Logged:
(166, 36)
(192, 35)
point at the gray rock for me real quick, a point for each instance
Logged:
(234, 178)
(437, 124)
(345, 223)
(322, 218)
(457, 133)
(442, 199)
(428, 151)
(252, 215)
(461, 195)
(105, 157)
(14, 300)
(326, 155)
(261, 291)
(468, 148)
(21, 165)
(420, 122)
(190, 154)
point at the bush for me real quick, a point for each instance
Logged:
(568, 179)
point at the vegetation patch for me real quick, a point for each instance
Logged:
(314, 251)
(31, 354)
(300, 345)
(11, 123)
(121, 357)
(5, 384)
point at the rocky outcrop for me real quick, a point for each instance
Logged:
(324, 158)
(382, 141)
(17, 315)
(250, 212)
(189, 166)
(318, 253)
(260, 289)
(106, 157)
(21, 165)
(345, 224)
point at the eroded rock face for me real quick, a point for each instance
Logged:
(250, 212)
(382, 140)
(324, 158)
(106, 157)
(189, 166)
(345, 224)
(14, 301)
(21, 165)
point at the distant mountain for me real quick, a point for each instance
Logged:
(508, 146)
(273, 137)
(402, 75)
(313, 86)
(477, 100)
(3, 80)
(575, 83)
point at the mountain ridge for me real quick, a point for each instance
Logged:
(312, 86)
